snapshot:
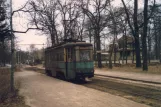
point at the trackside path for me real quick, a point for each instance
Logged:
(40, 90)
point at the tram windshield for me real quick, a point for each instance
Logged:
(85, 55)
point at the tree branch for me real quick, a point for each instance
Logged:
(21, 9)
(128, 17)
(151, 13)
(27, 30)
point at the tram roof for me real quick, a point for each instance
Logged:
(70, 44)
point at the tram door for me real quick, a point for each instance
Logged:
(70, 63)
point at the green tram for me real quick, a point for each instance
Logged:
(72, 60)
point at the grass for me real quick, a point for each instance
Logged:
(4, 83)
(154, 69)
(14, 100)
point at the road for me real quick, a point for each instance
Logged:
(40, 90)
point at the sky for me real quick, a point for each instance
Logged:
(20, 24)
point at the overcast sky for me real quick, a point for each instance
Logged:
(32, 37)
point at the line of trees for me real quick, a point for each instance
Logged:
(4, 35)
(32, 56)
(96, 19)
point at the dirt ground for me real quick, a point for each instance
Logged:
(43, 91)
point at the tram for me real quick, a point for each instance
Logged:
(72, 59)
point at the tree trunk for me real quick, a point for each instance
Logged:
(94, 49)
(114, 54)
(126, 47)
(56, 36)
(123, 53)
(137, 51)
(159, 47)
(145, 64)
(110, 60)
(111, 51)
(3, 54)
(98, 46)
(133, 51)
(156, 41)
(136, 35)
(149, 46)
(90, 36)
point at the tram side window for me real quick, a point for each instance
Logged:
(49, 58)
(61, 56)
(69, 54)
(57, 57)
(53, 54)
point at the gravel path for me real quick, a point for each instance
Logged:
(40, 90)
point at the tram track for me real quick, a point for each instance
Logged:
(139, 93)
(141, 83)
(130, 79)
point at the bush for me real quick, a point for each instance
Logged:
(4, 83)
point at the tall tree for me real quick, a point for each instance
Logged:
(70, 15)
(44, 15)
(145, 29)
(135, 26)
(134, 29)
(156, 32)
(4, 30)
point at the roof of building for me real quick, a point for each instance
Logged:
(129, 39)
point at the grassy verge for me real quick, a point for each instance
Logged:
(153, 69)
(13, 100)
(4, 83)
(8, 99)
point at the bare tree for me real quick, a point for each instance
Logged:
(96, 19)
(69, 17)
(135, 27)
(145, 29)
(44, 15)
(4, 33)
(154, 26)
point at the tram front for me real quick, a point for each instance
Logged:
(84, 61)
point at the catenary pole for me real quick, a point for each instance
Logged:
(12, 50)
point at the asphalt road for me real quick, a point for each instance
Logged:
(40, 90)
